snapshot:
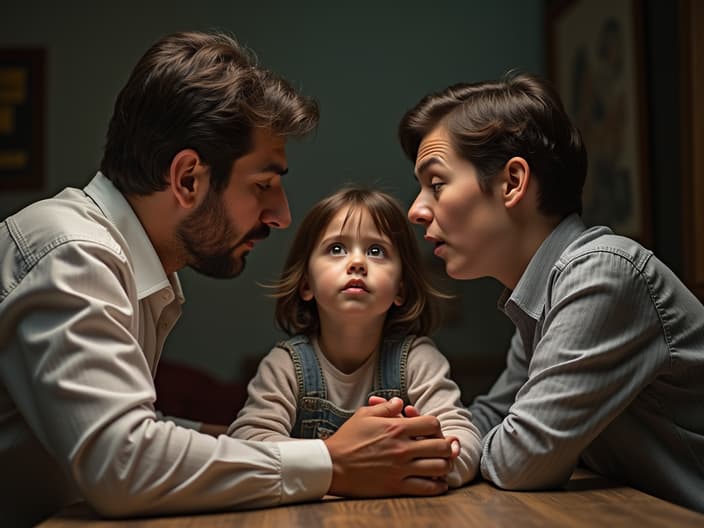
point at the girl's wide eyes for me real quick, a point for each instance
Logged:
(337, 249)
(376, 251)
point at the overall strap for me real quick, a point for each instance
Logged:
(390, 378)
(309, 374)
(309, 378)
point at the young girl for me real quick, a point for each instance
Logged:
(356, 303)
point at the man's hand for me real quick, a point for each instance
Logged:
(376, 453)
(411, 412)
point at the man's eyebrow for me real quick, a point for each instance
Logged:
(426, 164)
(275, 168)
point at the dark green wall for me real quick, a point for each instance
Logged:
(366, 63)
(662, 55)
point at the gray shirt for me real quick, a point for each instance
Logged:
(606, 366)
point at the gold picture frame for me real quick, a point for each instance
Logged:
(22, 107)
(596, 63)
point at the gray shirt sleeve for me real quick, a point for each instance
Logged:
(489, 410)
(593, 354)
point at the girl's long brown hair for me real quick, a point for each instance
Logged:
(417, 315)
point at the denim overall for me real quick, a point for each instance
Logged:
(316, 416)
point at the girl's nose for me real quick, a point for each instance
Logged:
(357, 263)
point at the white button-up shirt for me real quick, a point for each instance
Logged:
(85, 308)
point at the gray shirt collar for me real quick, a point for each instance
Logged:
(529, 294)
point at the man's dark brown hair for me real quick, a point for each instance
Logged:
(201, 91)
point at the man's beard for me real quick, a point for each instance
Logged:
(205, 236)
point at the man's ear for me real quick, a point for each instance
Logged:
(188, 178)
(515, 181)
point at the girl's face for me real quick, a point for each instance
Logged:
(354, 271)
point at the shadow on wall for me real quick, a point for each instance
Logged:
(192, 393)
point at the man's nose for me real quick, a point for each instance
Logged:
(277, 213)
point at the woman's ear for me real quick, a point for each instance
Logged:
(515, 181)
(188, 178)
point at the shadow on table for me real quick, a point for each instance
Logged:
(591, 483)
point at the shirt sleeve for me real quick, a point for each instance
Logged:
(586, 368)
(81, 382)
(433, 392)
(490, 409)
(269, 413)
(181, 422)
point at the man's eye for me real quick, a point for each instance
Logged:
(436, 186)
(376, 251)
(337, 249)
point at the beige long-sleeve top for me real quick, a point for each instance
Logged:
(270, 411)
(85, 308)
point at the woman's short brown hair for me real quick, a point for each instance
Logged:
(491, 122)
(201, 91)
(417, 314)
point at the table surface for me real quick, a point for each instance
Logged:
(587, 500)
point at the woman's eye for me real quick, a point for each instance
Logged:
(337, 249)
(376, 251)
(263, 186)
(436, 186)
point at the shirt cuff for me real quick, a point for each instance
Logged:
(306, 470)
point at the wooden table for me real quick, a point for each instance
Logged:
(588, 500)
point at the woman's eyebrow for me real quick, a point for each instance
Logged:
(426, 164)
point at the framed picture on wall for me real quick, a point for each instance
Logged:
(596, 62)
(692, 82)
(22, 96)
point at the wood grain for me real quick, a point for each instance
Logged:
(587, 501)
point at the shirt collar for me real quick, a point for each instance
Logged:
(529, 294)
(149, 274)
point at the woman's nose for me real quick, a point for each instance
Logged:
(419, 212)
